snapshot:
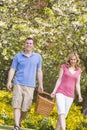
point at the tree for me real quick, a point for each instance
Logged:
(58, 27)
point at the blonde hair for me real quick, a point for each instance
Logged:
(70, 57)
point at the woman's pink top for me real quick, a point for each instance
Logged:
(68, 83)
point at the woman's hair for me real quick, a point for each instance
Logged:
(70, 57)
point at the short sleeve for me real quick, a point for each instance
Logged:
(15, 62)
(80, 71)
(39, 62)
(63, 66)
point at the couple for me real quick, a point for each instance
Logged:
(25, 66)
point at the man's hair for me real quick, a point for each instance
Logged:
(29, 38)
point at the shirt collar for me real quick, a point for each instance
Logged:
(25, 55)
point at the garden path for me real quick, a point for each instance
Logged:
(10, 127)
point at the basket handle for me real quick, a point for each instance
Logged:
(46, 93)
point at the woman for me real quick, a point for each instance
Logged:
(69, 79)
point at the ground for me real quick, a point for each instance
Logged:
(10, 127)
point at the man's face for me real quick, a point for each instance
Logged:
(29, 45)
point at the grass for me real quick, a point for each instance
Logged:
(5, 127)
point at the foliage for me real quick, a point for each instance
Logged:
(75, 120)
(78, 120)
(58, 27)
(45, 125)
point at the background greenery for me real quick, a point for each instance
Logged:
(75, 120)
(58, 28)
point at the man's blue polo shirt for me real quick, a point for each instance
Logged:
(26, 68)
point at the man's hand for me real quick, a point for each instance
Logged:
(40, 89)
(10, 77)
(9, 86)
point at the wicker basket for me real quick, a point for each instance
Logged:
(44, 105)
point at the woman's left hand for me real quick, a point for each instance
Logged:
(80, 99)
(52, 95)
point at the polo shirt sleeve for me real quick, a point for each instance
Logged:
(14, 62)
(39, 65)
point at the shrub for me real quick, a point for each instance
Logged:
(75, 120)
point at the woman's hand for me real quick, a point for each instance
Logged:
(80, 99)
(53, 95)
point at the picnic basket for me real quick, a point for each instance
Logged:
(44, 105)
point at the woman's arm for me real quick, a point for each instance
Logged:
(57, 83)
(78, 89)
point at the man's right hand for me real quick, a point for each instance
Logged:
(9, 86)
(40, 89)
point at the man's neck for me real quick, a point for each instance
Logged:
(28, 53)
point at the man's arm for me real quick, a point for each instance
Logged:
(40, 80)
(10, 77)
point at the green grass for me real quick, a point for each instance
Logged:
(5, 127)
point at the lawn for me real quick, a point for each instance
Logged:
(10, 127)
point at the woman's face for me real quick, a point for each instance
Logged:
(73, 60)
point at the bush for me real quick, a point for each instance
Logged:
(75, 120)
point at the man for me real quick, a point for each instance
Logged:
(25, 66)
